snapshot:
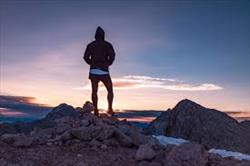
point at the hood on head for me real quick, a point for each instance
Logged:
(99, 34)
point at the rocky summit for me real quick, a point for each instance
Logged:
(209, 127)
(74, 136)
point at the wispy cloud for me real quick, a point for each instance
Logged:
(135, 81)
(21, 106)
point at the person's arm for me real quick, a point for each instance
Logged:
(87, 55)
(111, 55)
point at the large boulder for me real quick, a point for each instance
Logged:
(62, 110)
(212, 128)
(86, 133)
(188, 154)
(134, 133)
(123, 139)
(145, 152)
(88, 107)
(106, 133)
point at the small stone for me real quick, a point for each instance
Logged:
(76, 141)
(95, 143)
(79, 155)
(106, 133)
(88, 107)
(49, 143)
(59, 143)
(147, 163)
(81, 163)
(84, 122)
(145, 152)
(82, 133)
(62, 128)
(79, 109)
(66, 136)
(111, 142)
(103, 146)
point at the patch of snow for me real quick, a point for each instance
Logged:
(225, 153)
(169, 140)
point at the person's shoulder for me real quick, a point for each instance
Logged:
(91, 44)
(108, 43)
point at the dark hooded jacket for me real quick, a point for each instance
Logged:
(99, 53)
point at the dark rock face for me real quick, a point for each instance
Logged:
(61, 111)
(188, 154)
(209, 127)
(145, 152)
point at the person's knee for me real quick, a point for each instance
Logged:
(94, 93)
(94, 90)
(110, 93)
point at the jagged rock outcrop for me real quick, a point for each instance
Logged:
(63, 110)
(212, 128)
(65, 123)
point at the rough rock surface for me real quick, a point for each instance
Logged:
(67, 137)
(246, 124)
(212, 128)
(145, 152)
(62, 110)
(17, 140)
(188, 154)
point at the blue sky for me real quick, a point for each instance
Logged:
(191, 42)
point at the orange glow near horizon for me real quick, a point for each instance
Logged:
(54, 93)
(7, 113)
(139, 119)
(127, 100)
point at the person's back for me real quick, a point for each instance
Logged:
(101, 51)
(100, 54)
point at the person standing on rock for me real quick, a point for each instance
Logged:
(100, 54)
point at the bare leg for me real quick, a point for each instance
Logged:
(94, 84)
(109, 86)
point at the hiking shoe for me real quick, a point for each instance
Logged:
(110, 112)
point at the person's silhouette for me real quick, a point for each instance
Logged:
(100, 54)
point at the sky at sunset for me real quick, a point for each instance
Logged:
(165, 51)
